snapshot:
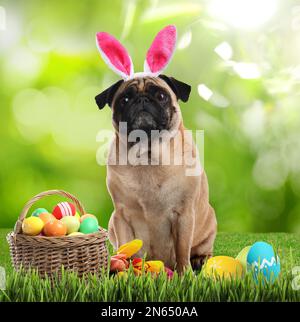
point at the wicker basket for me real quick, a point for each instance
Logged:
(82, 254)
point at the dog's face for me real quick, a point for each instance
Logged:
(146, 103)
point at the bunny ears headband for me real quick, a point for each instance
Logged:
(158, 56)
(157, 59)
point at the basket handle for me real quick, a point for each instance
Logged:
(41, 195)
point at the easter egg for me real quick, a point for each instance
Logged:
(89, 226)
(223, 266)
(77, 233)
(45, 216)
(88, 216)
(77, 216)
(118, 264)
(261, 259)
(72, 224)
(64, 209)
(39, 211)
(32, 226)
(242, 257)
(55, 228)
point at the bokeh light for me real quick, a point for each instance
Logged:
(224, 50)
(245, 14)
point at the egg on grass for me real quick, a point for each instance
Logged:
(263, 262)
(223, 266)
(242, 257)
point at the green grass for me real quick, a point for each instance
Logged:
(4, 251)
(190, 287)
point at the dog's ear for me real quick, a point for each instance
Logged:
(181, 90)
(107, 96)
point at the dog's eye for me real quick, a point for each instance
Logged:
(160, 96)
(124, 100)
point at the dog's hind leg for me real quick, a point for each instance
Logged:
(204, 238)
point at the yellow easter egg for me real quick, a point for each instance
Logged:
(77, 216)
(71, 223)
(32, 226)
(77, 233)
(130, 248)
(223, 266)
(242, 257)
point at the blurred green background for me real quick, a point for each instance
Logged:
(242, 58)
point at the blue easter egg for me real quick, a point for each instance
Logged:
(261, 259)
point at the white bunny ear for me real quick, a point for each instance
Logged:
(161, 51)
(114, 54)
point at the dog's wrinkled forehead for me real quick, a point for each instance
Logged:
(142, 85)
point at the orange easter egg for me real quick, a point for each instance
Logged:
(55, 228)
(45, 216)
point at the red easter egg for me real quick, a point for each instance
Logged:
(64, 209)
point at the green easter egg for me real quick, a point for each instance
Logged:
(89, 226)
(39, 211)
(242, 257)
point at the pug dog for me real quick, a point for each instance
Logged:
(159, 204)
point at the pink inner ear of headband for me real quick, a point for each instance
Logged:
(161, 50)
(114, 54)
(157, 58)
